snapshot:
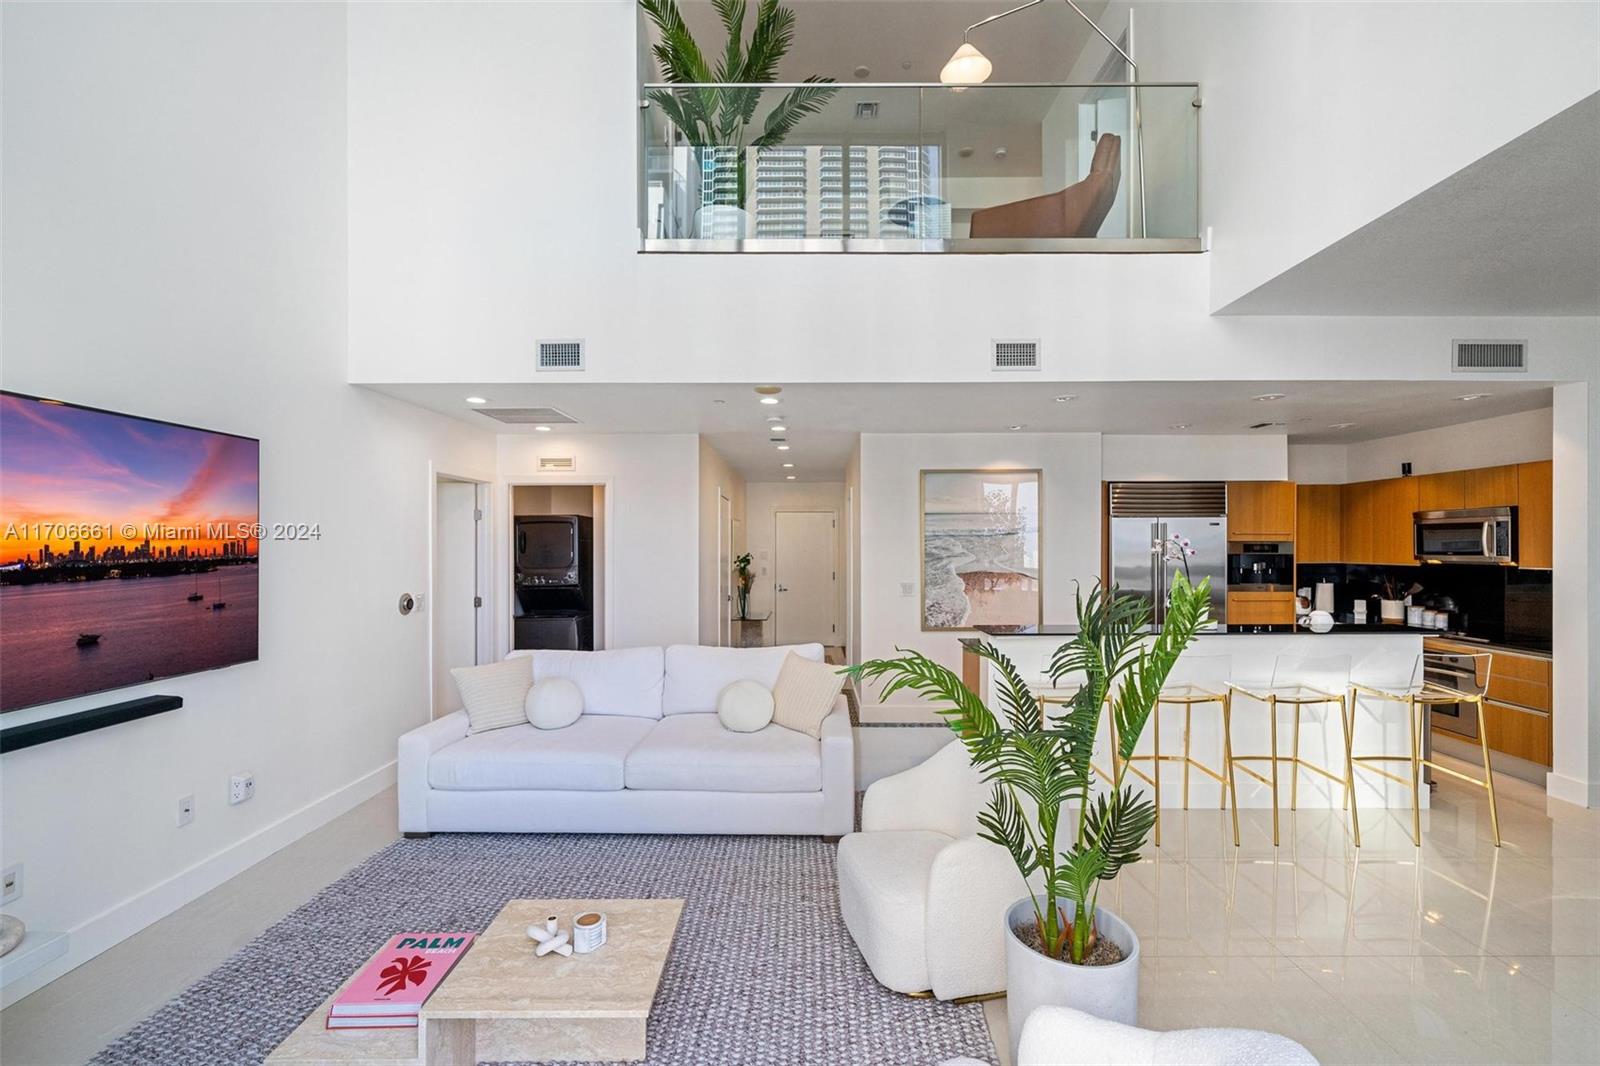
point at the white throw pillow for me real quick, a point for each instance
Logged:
(494, 693)
(805, 694)
(745, 707)
(554, 703)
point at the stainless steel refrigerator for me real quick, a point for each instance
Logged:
(1148, 515)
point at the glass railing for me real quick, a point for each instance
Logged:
(920, 168)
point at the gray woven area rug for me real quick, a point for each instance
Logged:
(762, 970)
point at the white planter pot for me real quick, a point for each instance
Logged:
(1034, 980)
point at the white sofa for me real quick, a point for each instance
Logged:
(649, 755)
(923, 896)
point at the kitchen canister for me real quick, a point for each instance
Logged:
(1413, 616)
(588, 932)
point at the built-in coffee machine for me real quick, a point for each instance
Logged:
(1265, 566)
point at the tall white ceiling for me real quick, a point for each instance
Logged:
(1515, 233)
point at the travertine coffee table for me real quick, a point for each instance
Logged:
(503, 1004)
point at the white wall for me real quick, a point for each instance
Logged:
(1518, 438)
(890, 538)
(174, 222)
(763, 501)
(651, 526)
(1173, 457)
(1575, 684)
(717, 479)
(1319, 117)
(466, 245)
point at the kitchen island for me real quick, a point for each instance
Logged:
(1379, 726)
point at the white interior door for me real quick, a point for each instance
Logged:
(455, 591)
(805, 571)
(724, 570)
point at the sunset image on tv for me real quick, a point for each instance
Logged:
(127, 550)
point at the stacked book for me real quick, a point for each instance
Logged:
(390, 991)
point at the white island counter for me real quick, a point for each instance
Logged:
(1251, 651)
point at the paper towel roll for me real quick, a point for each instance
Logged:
(1324, 600)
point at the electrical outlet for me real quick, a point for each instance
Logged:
(185, 810)
(12, 881)
(908, 588)
(241, 787)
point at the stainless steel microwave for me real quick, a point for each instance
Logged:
(1476, 535)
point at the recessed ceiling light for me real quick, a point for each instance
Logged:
(770, 400)
(783, 447)
(541, 429)
(965, 151)
(788, 466)
(476, 400)
(1179, 425)
(788, 477)
(862, 72)
(774, 418)
(1474, 396)
(1343, 425)
(1066, 397)
(778, 427)
(1268, 397)
(719, 403)
(1018, 426)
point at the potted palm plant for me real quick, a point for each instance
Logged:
(1062, 947)
(711, 116)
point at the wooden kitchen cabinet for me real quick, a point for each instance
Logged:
(1260, 608)
(1317, 524)
(1261, 510)
(1517, 731)
(1394, 502)
(1442, 492)
(1490, 486)
(1355, 522)
(1533, 515)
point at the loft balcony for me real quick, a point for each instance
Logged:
(926, 169)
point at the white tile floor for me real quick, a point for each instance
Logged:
(1452, 952)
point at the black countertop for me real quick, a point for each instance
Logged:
(1369, 629)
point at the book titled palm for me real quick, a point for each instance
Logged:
(390, 990)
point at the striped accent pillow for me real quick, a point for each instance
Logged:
(494, 693)
(804, 694)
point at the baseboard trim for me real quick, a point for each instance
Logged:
(122, 920)
(1571, 790)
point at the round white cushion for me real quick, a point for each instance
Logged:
(745, 706)
(554, 703)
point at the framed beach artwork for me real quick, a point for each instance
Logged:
(980, 548)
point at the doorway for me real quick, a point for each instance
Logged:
(456, 614)
(805, 546)
(558, 566)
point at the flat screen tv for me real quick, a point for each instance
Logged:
(127, 550)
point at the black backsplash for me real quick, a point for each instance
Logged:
(1501, 604)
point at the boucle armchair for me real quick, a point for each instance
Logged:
(1061, 1036)
(922, 895)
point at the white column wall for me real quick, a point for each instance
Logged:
(1575, 716)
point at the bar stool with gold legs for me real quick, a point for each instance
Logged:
(1300, 683)
(1382, 680)
(1195, 680)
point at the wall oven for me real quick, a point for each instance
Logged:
(1459, 673)
(1478, 535)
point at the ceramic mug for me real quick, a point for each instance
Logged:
(588, 932)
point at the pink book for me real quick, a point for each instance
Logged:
(401, 977)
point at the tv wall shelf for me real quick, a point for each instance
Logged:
(70, 725)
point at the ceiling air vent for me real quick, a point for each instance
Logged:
(560, 355)
(528, 416)
(557, 464)
(866, 109)
(1015, 355)
(1506, 357)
